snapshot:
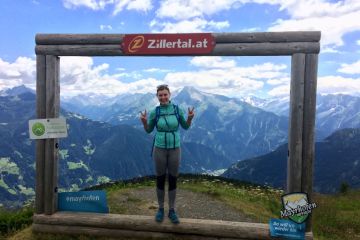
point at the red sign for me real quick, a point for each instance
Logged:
(160, 44)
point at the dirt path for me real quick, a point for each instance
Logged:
(188, 205)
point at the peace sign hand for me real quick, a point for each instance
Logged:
(143, 117)
(191, 113)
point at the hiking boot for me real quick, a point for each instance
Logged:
(173, 217)
(159, 217)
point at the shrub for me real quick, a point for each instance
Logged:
(11, 221)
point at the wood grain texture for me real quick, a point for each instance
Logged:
(254, 37)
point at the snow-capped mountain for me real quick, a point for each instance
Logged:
(333, 112)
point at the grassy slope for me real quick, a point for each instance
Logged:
(336, 217)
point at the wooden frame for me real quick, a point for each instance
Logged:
(302, 46)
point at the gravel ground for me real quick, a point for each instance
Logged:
(188, 205)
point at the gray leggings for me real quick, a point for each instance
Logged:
(166, 160)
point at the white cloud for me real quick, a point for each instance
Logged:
(186, 9)
(328, 49)
(283, 90)
(92, 4)
(214, 75)
(156, 70)
(140, 5)
(214, 80)
(325, 85)
(318, 8)
(137, 5)
(334, 20)
(105, 27)
(22, 71)
(358, 42)
(187, 26)
(278, 81)
(231, 81)
(212, 62)
(338, 84)
(190, 15)
(119, 5)
(353, 68)
(78, 75)
(218, 25)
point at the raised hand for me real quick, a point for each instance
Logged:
(143, 117)
(191, 113)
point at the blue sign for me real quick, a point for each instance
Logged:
(286, 229)
(83, 201)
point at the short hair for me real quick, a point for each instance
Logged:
(162, 87)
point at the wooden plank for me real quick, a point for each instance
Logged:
(40, 144)
(145, 227)
(311, 66)
(263, 37)
(224, 49)
(265, 49)
(254, 37)
(294, 163)
(54, 39)
(146, 223)
(129, 234)
(118, 233)
(52, 111)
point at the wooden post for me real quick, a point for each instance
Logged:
(311, 65)
(51, 152)
(40, 144)
(294, 165)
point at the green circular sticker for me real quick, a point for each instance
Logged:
(38, 129)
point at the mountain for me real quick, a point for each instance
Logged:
(16, 91)
(333, 112)
(94, 152)
(336, 161)
(229, 126)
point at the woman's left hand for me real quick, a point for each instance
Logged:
(191, 113)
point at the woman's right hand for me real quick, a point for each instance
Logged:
(143, 117)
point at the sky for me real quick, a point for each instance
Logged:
(265, 77)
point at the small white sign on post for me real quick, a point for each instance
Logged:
(47, 128)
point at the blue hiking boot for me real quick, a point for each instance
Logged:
(159, 217)
(173, 217)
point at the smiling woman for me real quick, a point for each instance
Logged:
(167, 118)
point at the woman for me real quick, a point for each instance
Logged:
(166, 152)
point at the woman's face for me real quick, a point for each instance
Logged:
(163, 96)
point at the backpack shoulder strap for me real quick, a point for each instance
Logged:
(157, 115)
(176, 111)
(177, 114)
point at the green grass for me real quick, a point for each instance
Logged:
(336, 216)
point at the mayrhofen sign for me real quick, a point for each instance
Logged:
(159, 44)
